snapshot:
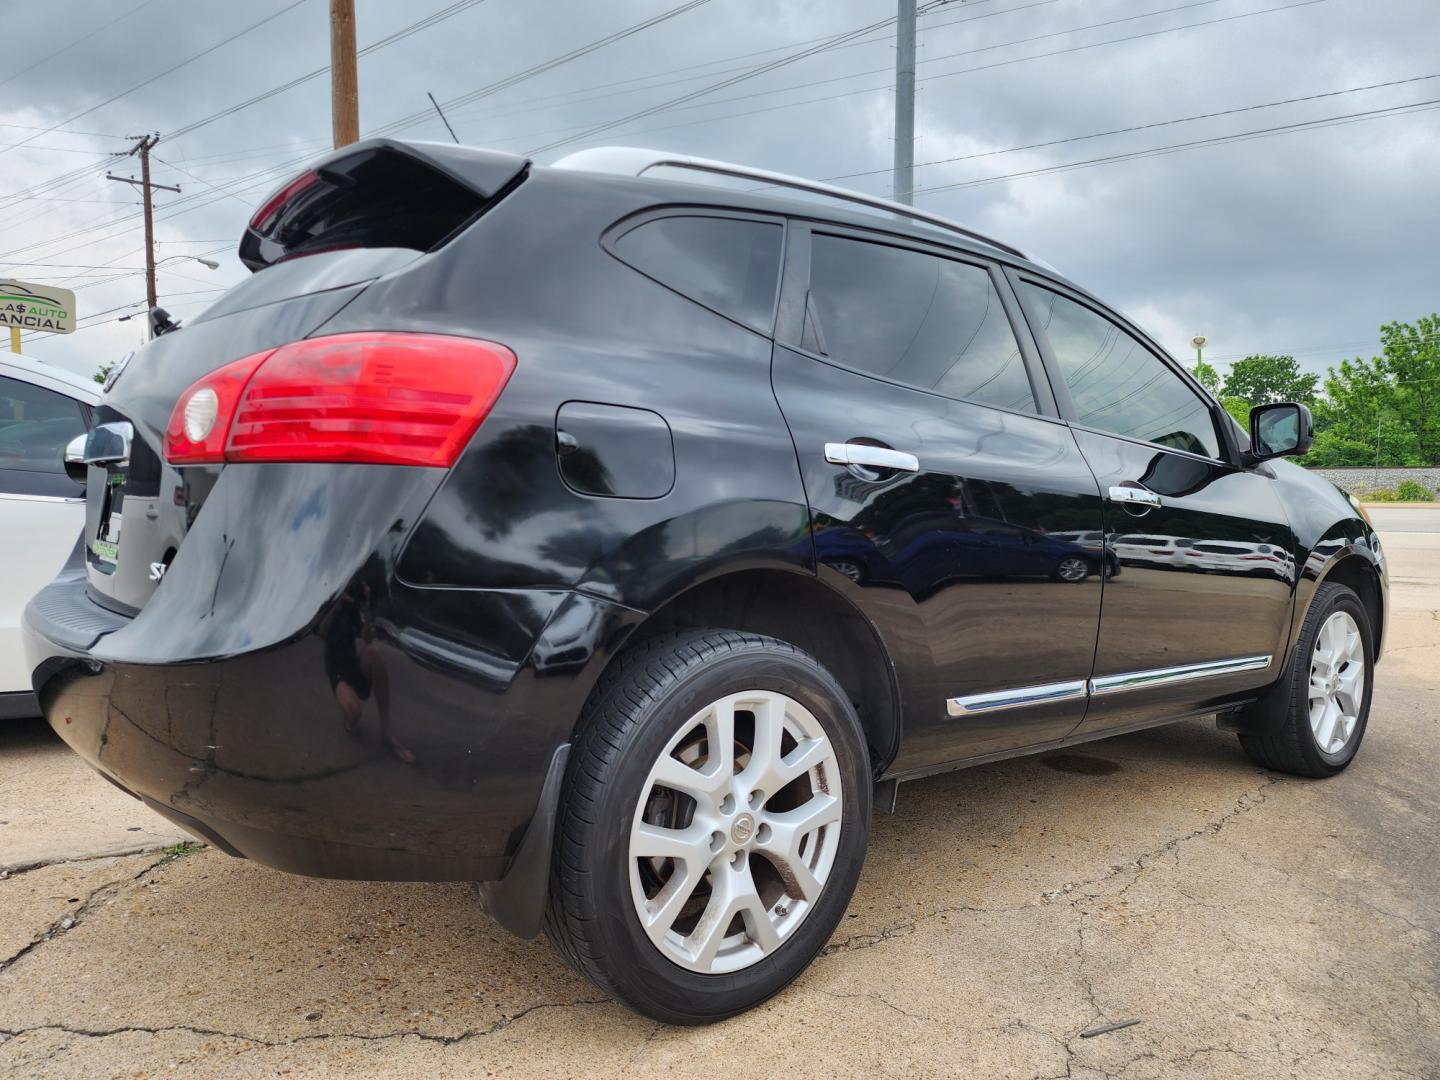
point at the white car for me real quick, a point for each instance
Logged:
(42, 510)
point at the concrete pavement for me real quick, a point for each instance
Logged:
(1256, 925)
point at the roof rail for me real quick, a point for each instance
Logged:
(635, 161)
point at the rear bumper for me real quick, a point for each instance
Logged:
(466, 696)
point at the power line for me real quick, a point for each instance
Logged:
(589, 93)
(548, 65)
(828, 43)
(1368, 114)
(1147, 127)
(240, 184)
(160, 75)
(66, 48)
(494, 87)
(374, 46)
(928, 78)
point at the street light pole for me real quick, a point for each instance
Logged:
(903, 179)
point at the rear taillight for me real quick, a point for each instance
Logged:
(382, 398)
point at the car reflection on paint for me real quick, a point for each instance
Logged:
(1203, 556)
(928, 549)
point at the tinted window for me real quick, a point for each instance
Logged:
(35, 425)
(1116, 382)
(728, 265)
(919, 319)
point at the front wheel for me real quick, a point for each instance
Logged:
(1072, 568)
(713, 825)
(1313, 721)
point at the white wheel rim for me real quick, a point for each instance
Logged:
(745, 854)
(1337, 682)
(1074, 569)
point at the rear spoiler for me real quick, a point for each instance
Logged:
(380, 193)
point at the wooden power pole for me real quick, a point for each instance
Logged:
(344, 84)
(142, 148)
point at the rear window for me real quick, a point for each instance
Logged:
(730, 265)
(914, 318)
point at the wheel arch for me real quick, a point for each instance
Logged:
(797, 607)
(1354, 565)
(1357, 569)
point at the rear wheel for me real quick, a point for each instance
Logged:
(713, 826)
(1314, 720)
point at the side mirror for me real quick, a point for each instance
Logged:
(1279, 430)
(75, 466)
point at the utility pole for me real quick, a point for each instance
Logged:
(143, 145)
(344, 84)
(904, 176)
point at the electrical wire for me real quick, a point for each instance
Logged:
(160, 75)
(1147, 127)
(1278, 129)
(398, 35)
(66, 48)
(888, 87)
(548, 65)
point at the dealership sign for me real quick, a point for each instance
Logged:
(36, 307)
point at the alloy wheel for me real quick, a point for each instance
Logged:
(1072, 569)
(735, 832)
(1337, 682)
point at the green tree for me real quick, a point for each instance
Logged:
(1260, 380)
(103, 372)
(1207, 377)
(1410, 358)
(1239, 408)
(1360, 420)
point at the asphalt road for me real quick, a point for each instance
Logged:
(1405, 519)
(1256, 926)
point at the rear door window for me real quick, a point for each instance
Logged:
(911, 317)
(730, 265)
(35, 425)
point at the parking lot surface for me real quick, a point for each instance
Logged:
(1256, 926)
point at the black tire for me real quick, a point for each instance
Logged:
(1279, 735)
(637, 708)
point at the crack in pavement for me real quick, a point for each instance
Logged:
(259, 1041)
(1247, 801)
(75, 916)
(9, 873)
(871, 995)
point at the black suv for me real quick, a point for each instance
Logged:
(613, 541)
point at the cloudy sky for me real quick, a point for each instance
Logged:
(1302, 241)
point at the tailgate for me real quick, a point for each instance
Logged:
(138, 509)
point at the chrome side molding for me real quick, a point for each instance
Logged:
(1021, 697)
(1139, 680)
(1014, 699)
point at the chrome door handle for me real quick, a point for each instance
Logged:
(877, 457)
(1140, 495)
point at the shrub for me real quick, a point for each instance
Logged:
(1414, 491)
(1381, 495)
